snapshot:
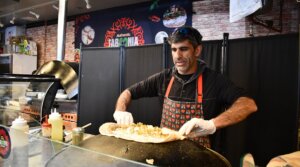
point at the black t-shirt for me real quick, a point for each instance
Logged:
(218, 92)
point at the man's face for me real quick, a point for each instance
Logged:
(185, 57)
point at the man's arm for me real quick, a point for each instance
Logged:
(239, 111)
(120, 115)
(123, 101)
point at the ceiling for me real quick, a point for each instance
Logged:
(20, 9)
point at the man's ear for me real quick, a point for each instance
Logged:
(198, 50)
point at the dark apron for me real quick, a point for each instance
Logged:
(176, 113)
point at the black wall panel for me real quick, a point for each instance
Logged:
(141, 62)
(268, 68)
(101, 80)
(99, 86)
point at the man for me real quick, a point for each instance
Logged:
(195, 95)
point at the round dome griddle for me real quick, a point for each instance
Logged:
(63, 71)
(177, 153)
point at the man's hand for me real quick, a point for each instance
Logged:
(123, 117)
(198, 127)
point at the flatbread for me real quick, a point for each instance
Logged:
(140, 133)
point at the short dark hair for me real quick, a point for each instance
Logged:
(186, 33)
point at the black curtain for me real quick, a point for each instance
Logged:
(211, 54)
(268, 68)
(104, 72)
(140, 63)
(99, 86)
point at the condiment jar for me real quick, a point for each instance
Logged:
(77, 135)
(56, 122)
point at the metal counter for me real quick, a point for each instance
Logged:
(38, 151)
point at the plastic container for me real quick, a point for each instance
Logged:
(19, 132)
(19, 139)
(20, 124)
(56, 122)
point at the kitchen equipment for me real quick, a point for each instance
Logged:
(177, 153)
(63, 71)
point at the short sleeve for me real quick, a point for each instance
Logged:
(149, 87)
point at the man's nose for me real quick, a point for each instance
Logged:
(178, 53)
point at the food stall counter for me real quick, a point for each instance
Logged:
(31, 149)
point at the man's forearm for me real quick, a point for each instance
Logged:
(123, 101)
(239, 110)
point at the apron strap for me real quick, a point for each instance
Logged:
(169, 86)
(199, 88)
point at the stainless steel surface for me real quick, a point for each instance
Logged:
(61, 29)
(64, 72)
(43, 152)
(20, 9)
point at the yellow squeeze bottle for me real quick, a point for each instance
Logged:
(56, 122)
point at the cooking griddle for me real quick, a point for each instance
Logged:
(176, 153)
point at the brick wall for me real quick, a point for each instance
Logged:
(211, 18)
(45, 37)
(38, 35)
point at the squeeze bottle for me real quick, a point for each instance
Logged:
(56, 122)
(20, 124)
(19, 139)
